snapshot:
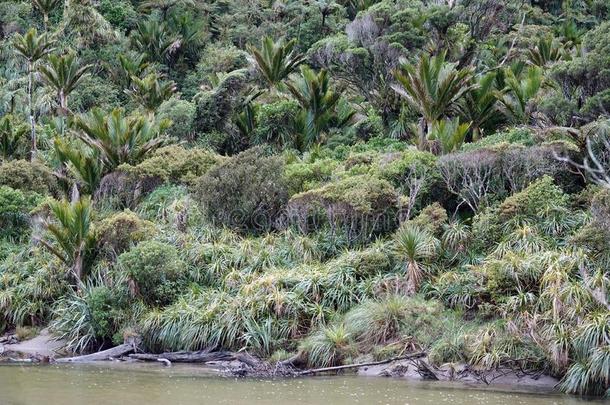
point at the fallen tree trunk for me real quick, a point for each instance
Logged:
(373, 363)
(202, 356)
(114, 352)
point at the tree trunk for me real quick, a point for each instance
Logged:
(33, 147)
(63, 109)
(358, 365)
(115, 352)
(202, 356)
(77, 269)
(422, 141)
(413, 277)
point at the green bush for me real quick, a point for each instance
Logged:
(519, 136)
(155, 271)
(28, 176)
(169, 204)
(533, 202)
(400, 167)
(175, 164)
(362, 206)
(95, 92)
(369, 127)
(15, 207)
(303, 176)
(379, 322)
(91, 319)
(217, 59)
(29, 286)
(182, 115)
(120, 14)
(275, 123)
(215, 107)
(587, 74)
(540, 209)
(244, 192)
(117, 233)
(433, 218)
(387, 320)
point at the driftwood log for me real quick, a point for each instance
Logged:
(115, 352)
(202, 356)
(358, 365)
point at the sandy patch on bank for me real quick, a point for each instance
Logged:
(43, 345)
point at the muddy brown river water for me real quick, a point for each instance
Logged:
(156, 385)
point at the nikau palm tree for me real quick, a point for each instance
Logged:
(72, 234)
(547, 51)
(415, 246)
(522, 88)
(128, 67)
(150, 92)
(119, 139)
(276, 60)
(318, 101)
(433, 87)
(32, 48)
(45, 7)
(64, 74)
(151, 37)
(448, 135)
(85, 165)
(480, 106)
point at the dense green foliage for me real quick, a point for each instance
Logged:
(328, 178)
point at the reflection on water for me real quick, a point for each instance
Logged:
(155, 385)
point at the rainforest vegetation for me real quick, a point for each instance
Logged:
(334, 178)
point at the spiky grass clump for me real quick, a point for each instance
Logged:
(457, 289)
(29, 284)
(329, 346)
(449, 349)
(590, 374)
(416, 247)
(378, 322)
(93, 317)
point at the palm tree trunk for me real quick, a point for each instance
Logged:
(77, 269)
(323, 20)
(31, 113)
(421, 143)
(413, 277)
(45, 21)
(63, 107)
(476, 133)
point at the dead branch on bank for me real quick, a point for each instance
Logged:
(358, 365)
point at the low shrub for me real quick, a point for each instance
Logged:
(155, 272)
(275, 123)
(15, 207)
(91, 319)
(182, 115)
(303, 176)
(379, 322)
(28, 176)
(120, 231)
(174, 164)
(361, 206)
(245, 192)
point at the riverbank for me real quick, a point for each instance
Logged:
(415, 367)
